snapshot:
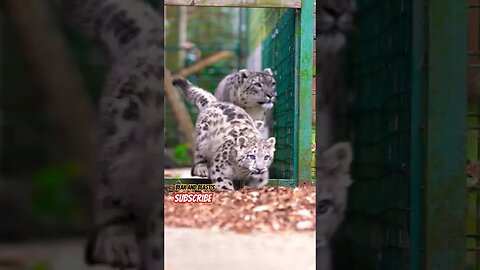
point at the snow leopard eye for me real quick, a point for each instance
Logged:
(257, 85)
(267, 157)
(331, 11)
(323, 206)
(252, 157)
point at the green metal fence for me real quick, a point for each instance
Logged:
(406, 206)
(287, 39)
(279, 54)
(473, 196)
(473, 140)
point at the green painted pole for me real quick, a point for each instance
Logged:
(304, 75)
(419, 41)
(445, 155)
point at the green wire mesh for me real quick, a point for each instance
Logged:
(379, 126)
(278, 53)
(473, 145)
(473, 195)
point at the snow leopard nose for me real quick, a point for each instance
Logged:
(259, 171)
(333, 12)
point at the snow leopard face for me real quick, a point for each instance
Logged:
(333, 181)
(257, 89)
(254, 155)
(334, 22)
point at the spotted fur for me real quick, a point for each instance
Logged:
(254, 91)
(129, 187)
(228, 143)
(334, 21)
(333, 181)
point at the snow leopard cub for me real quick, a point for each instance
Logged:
(253, 91)
(228, 143)
(333, 181)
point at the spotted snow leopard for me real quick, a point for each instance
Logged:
(254, 91)
(334, 22)
(334, 177)
(129, 203)
(228, 143)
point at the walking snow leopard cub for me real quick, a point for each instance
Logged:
(129, 204)
(253, 91)
(228, 143)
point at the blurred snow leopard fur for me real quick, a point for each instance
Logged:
(333, 181)
(253, 91)
(228, 143)
(334, 22)
(129, 203)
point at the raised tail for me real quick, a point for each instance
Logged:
(194, 95)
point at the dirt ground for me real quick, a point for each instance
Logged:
(204, 249)
(195, 249)
(186, 249)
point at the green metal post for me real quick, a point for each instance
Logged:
(417, 141)
(446, 135)
(304, 74)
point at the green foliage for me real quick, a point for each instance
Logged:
(41, 266)
(213, 26)
(53, 196)
(181, 154)
(211, 29)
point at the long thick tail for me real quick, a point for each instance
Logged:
(194, 95)
(119, 26)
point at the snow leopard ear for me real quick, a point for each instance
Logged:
(334, 165)
(244, 73)
(242, 141)
(268, 71)
(258, 124)
(338, 157)
(271, 143)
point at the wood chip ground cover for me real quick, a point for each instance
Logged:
(269, 209)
